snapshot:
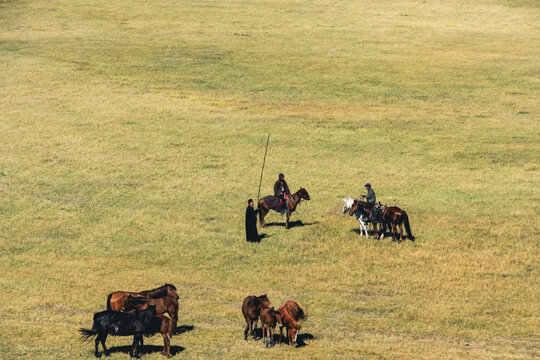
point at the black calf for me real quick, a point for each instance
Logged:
(118, 323)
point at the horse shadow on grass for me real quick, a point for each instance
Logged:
(292, 224)
(370, 233)
(150, 349)
(300, 340)
(387, 235)
(147, 349)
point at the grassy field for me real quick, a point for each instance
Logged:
(133, 133)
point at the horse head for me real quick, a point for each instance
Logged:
(353, 208)
(303, 194)
(347, 203)
(295, 330)
(171, 291)
(264, 302)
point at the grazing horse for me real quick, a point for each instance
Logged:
(269, 319)
(117, 299)
(293, 202)
(291, 313)
(394, 216)
(251, 308)
(348, 203)
(118, 323)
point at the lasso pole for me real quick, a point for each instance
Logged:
(264, 161)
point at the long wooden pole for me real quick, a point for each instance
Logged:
(264, 161)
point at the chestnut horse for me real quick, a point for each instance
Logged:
(293, 202)
(394, 216)
(116, 300)
(251, 309)
(291, 313)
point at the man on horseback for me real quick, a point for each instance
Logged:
(370, 197)
(281, 190)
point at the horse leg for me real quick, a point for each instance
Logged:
(96, 352)
(255, 329)
(105, 351)
(136, 340)
(262, 213)
(400, 232)
(141, 345)
(166, 345)
(375, 232)
(280, 335)
(246, 330)
(287, 220)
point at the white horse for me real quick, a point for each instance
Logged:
(347, 204)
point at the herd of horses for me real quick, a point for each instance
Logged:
(149, 312)
(136, 314)
(287, 316)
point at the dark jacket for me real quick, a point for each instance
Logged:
(370, 196)
(281, 186)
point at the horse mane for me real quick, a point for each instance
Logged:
(171, 286)
(157, 292)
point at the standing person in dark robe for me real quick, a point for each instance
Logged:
(281, 190)
(251, 223)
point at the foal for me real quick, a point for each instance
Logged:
(269, 319)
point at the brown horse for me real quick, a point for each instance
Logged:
(168, 305)
(269, 319)
(394, 216)
(116, 300)
(160, 323)
(251, 309)
(291, 313)
(293, 202)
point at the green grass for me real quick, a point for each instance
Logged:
(133, 134)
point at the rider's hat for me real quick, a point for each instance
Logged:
(367, 185)
(250, 201)
(281, 175)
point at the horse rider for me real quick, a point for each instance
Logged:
(370, 197)
(281, 190)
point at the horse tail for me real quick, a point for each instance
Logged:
(87, 333)
(109, 302)
(407, 226)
